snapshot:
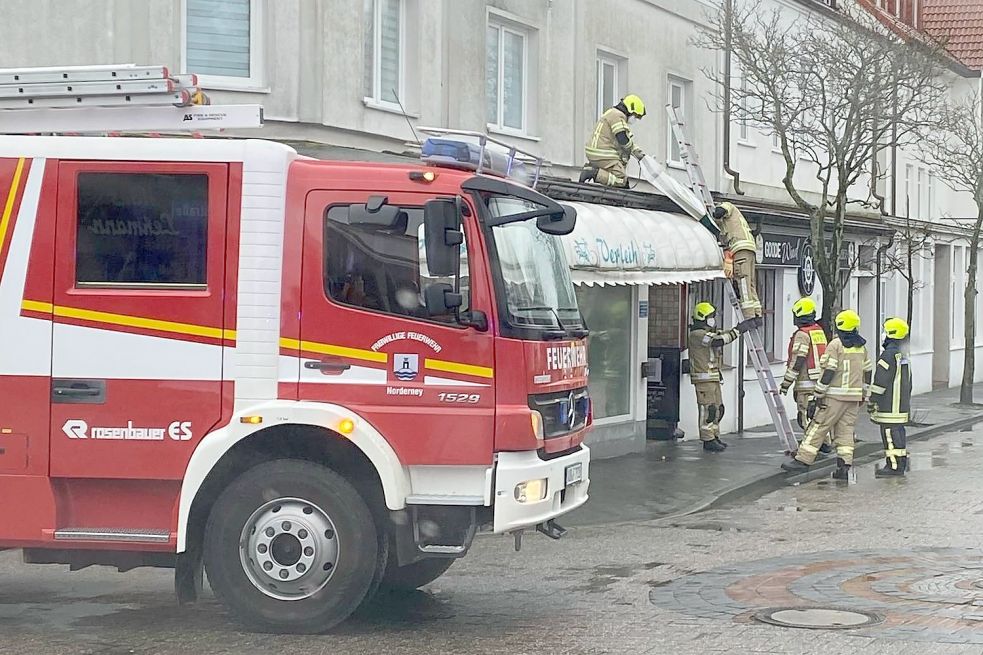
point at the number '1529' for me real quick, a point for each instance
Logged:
(459, 397)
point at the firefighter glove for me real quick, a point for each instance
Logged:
(746, 325)
(811, 409)
(871, 406)
(785, 387)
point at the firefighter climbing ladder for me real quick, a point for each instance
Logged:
(756, 350)
(112, 99)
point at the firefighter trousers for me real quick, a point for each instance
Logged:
(745, 279)
(895, 443)
(802, 399)
(610, 172)
(709, 402)
(836, 418)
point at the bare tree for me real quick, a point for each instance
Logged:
(912, 241)
(955, 155)
(835, 92)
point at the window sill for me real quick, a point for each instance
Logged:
(244, 86)
(745, 144)
(516, 134)
(388, 107)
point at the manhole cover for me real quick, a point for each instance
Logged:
(817, 618)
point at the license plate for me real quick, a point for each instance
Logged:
(573, 474)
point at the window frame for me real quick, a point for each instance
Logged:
(504, 25)
(682, 110)
(257, 80)
(633, 332)
(325, 221)
(767, 294)
(375, 99)
(605, 59)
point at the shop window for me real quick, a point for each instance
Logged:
(609, 315)
(766, 280)
(141, 230)
(383, 268)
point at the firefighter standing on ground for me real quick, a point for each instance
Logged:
(704, 346)
(890, 398)
(737, 238)
(805, 350)
(842, 388)
(612, 145)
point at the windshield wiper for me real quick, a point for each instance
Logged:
(566, 332)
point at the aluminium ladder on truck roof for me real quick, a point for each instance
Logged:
(113, 98)
(755, 346)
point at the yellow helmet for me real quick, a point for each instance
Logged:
(803, 307)
(896, 328)
(634, 105)
(848, 321)
(703, 311)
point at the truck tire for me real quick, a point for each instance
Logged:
(291, 547)
(415, 575)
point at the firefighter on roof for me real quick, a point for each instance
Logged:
(612, 145)
(705, 344)
(735, 235)
(842, 388)
(890, 398)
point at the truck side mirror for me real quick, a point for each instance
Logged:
(558, 224)
(441, 300)
(442, 236)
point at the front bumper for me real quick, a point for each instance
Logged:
(514, 468)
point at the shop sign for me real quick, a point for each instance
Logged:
(613, 253)
(807, 270)
(780, 249)
(643, 309)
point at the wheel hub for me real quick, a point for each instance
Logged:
(289, 548)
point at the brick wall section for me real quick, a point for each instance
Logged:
(664, 315)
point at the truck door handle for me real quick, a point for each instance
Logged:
(328, 367)
(91, 392)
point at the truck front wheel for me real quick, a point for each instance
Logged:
(415, 575)
(290, 546)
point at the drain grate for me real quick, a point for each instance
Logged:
(817, 618)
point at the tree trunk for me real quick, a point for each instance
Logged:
(969, 316)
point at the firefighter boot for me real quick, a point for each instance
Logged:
(842, 471)
(795, 466)
(826, 448)
(887, 472)
(713, 446)
(587, 174)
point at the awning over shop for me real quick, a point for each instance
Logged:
(617, 245)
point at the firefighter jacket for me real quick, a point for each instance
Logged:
(844, 366)
(736, 232)
(890, 393)
(705, 346)
(808, 343)
(603, 143)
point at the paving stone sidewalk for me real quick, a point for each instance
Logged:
(673, 478)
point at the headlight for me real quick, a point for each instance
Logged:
(537, 423)
(531, 491)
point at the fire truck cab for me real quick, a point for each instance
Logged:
(305, 378)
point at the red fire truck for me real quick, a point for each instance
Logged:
(305, 378)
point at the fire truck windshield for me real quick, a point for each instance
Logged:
(536, 286)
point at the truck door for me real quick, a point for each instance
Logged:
(368, 342)
(138, 315)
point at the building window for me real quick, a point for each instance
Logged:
(930, 202)
(382, 268)
(384, 50)
(505, 77)
(609, 315)
(766, 281)
(223, 42)
(677, 92)
(909, 174)
(711, 291)
(609, 91)
(921, 197)
(142, 230)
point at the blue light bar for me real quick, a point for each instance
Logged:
(474, 154)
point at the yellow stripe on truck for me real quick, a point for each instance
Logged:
(125, 320)
(338, 351)
(8, 208)
(463, 369)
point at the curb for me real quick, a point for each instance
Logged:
(756, 487)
